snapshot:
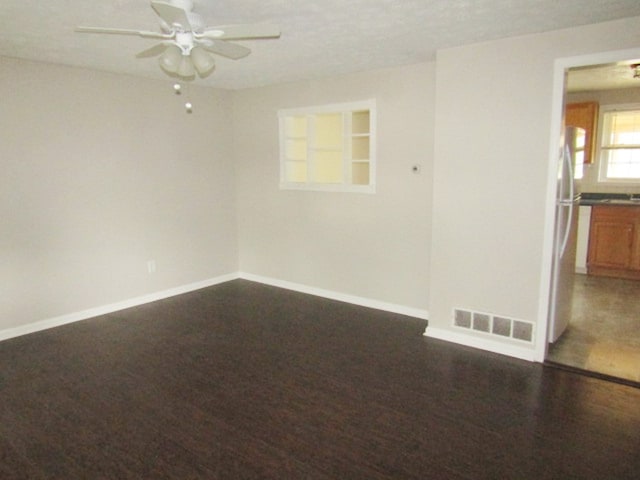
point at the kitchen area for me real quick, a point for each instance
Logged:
(602, 334)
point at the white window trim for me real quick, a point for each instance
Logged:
(602, 166)
(369, 105)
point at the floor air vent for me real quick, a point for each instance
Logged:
(493, 325)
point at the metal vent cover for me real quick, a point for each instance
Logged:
(495, 325)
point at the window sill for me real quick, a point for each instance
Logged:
(326, 187)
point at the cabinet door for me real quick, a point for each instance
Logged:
(611, 244)
(584, 115)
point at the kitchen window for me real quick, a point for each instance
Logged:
(620, 143)
(330, 148)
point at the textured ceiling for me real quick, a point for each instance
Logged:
(319, 37)
(603, 77)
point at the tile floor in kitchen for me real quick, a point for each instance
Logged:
(604, 333)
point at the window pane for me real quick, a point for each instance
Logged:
(578, 166)
(329, 131)
(296, 149)
(328, 167)
(296, 172)
(623, 163)
(296, 126)
(621, 128)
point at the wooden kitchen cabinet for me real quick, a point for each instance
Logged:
(584, 115)
(614, 241)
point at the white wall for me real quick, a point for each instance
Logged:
(372, 246)
(491, 172)
(101, 173)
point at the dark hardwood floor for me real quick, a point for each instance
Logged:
(243, 381)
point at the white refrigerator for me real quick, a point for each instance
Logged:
(565, 240)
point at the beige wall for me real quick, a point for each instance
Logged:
(101, 173)
(491, 172)
(372, 246)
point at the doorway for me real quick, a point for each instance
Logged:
(603, 336)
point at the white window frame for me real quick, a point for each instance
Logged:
(602, 163)
(346, 110)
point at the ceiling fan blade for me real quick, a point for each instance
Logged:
(154, 51)
(122, 31)
(241, 31)
(171, 14)
(226, 49)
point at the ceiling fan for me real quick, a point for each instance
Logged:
(187, 44)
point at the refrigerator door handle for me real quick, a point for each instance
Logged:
(567, 201)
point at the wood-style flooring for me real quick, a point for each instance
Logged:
(246, 381)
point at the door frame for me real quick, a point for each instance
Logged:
(561, 65)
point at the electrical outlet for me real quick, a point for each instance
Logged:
(151, 266)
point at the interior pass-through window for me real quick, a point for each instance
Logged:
(329, 147)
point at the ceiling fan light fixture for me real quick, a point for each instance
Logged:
(171, 59)
(187, 5)
(186, 68)
(187, 46)
(202, 61)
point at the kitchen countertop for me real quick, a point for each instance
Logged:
(620, 199)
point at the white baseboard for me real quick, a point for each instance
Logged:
(493, 346)
(342, 297)
(481, 343)
(441, 334)
(114, 307)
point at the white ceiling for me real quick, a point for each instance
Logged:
(319, 37)
(603, 77)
